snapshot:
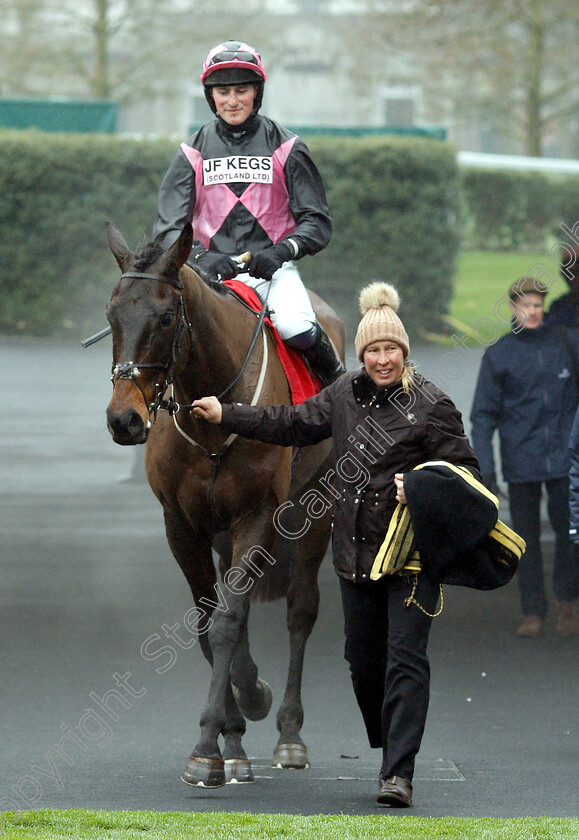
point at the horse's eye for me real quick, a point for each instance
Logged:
(167, 319)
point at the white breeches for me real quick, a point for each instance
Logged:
(288, 301)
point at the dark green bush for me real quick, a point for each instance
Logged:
(395, 206)
(515, 210)
(56, 191)
(394, 201)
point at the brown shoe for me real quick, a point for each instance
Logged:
(567, 619)
(531, 627)
(395, 792)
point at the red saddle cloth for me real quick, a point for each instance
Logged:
(302, 384)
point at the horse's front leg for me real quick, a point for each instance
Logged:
(250, 538)
(206, 764)
(253, 694)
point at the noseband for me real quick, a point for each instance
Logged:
(131, 370)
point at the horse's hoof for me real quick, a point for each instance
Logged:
(204, 772)
(290, 757)
(238, 770)
(256, 711)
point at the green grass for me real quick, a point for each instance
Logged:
(484, 277)
(127, 825)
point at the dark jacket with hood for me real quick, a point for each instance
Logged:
(376, 433)
(527, 390)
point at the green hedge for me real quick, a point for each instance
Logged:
(506, 211)
(395, 204)
(56, 192)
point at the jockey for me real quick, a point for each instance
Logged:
(249, 185)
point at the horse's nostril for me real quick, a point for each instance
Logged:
(127, 427)
(135, 424)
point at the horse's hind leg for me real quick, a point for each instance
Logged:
(302, 612)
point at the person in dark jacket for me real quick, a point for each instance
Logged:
(527, 390)
(570, 617)
(250, 186)
(565, 310)
(384, 419)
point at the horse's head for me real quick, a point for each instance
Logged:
(148, 323)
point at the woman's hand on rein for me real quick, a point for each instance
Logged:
(400, 494)
(209, 408)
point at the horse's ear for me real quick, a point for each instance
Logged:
(180, 249)
(121, 251)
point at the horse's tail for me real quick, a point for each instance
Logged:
(274, 583)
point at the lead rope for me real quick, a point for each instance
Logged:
(412, 600)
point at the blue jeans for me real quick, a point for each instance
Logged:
(525, 506)
(386, 650)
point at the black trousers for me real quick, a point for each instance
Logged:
(386, 649)
(525, 506)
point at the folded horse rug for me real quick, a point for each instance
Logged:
(450, 529)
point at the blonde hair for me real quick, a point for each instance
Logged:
(408, 377)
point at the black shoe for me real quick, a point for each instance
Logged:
(395, 792)
(322, 359)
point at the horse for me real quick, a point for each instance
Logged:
(177, 337)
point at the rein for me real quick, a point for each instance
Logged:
(174, 407)
(215, 457)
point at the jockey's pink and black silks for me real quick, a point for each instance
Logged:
(266, 196)
(246, 192)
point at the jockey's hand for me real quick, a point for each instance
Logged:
(214, 265)
(265, 263)
(400, 494)
(209, 408)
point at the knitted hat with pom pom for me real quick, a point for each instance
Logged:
(379, 304)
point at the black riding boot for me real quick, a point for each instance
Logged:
(323, 360)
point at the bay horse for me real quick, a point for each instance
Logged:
(177, 338)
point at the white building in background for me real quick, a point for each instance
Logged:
(326, 67)
(310, 79)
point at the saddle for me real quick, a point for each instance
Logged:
(302, 383)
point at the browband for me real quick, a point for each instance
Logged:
(138, 275)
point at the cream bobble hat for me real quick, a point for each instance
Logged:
(379, 303)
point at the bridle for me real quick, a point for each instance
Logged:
(131, 370)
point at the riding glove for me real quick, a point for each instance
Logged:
(265, 263)
(213, 264)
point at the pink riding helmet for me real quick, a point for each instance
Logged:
(242, 62)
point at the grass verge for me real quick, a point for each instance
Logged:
(127, 825)
(483, 278)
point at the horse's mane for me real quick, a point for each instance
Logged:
(147, 253)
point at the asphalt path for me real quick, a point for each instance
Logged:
(87, 578)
